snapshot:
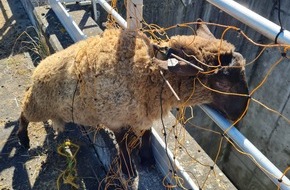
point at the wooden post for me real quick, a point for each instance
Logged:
(134, 14)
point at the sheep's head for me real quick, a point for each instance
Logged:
(220, 70)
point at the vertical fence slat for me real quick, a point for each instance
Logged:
(134, 14)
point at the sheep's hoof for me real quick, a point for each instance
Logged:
(23, 138)
(22, 132)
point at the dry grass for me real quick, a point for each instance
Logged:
(34, 42)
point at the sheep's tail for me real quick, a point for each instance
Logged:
(22, 132)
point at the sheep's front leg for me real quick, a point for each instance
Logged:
(125, 140)
(146, 152)
(22, 132)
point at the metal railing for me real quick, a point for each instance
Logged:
(253, 20)
(248, 148)
(270, 30)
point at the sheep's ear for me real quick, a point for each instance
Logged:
(203, 31)
(179, 68)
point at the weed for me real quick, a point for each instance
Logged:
(34, 42)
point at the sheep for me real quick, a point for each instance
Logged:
(114, 80)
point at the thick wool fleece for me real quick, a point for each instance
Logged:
(112, 80)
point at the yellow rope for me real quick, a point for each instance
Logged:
(68, 176)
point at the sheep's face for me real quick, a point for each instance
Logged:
(223, 70)
(230, 80)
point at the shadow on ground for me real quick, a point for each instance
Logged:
(41, 165)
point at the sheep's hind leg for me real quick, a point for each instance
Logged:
(22, 132)
(124, 139)
(145, 152)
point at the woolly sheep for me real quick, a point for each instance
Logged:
(115, 80)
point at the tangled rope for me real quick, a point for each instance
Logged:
(68, 176)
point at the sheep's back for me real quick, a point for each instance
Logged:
(112, 71)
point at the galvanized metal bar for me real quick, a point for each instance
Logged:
(95, 10)
(67, 21)
(122, 22)
(253, 20)
(248, 147)
(163, 162)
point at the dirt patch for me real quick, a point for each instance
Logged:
(17, 34)
(13, 21)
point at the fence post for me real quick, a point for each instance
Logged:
(134, 14)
